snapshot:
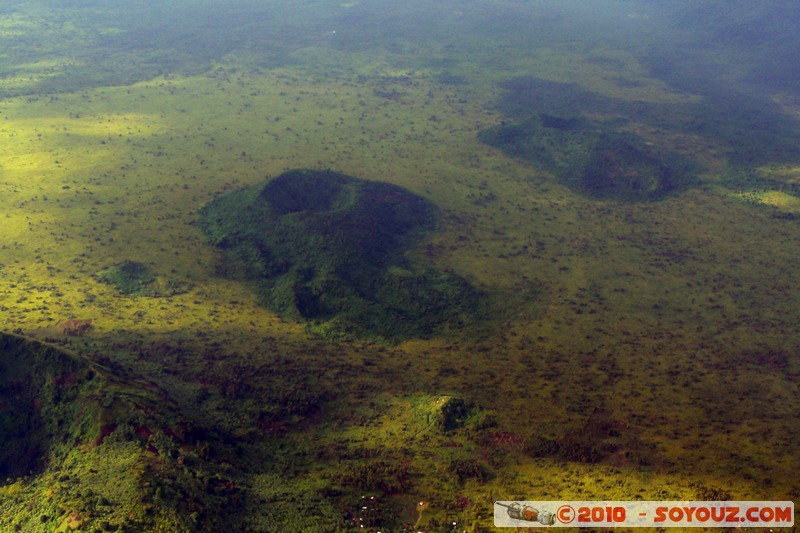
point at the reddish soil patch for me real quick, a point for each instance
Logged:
(105, 431)
(75, 327)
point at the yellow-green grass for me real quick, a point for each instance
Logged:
(656, 312)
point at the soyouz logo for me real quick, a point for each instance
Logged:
(643, 514)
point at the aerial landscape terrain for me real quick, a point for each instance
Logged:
(373, 266)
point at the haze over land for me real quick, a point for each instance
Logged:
(600, 300)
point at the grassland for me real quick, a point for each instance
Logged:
(672, 321)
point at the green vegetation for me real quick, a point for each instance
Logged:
(132, 278)
(40, 389)
(329, 248)
(592, 158)
(129, 278)
(85, 445)
(188, 405)
(749, 130)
